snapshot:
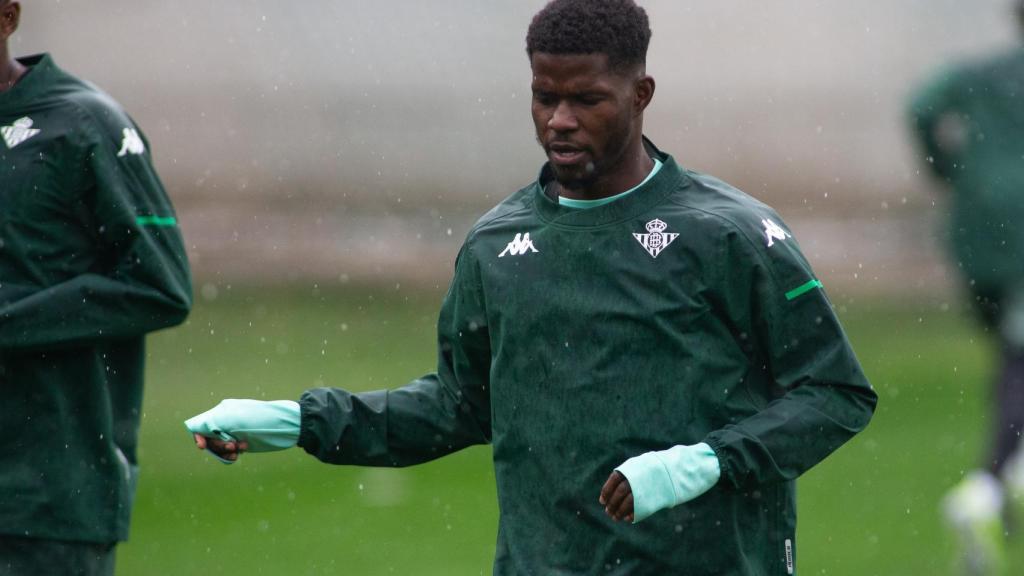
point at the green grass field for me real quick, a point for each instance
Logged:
(871, 508)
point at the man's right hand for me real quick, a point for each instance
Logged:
(235, 426)
(225, 450)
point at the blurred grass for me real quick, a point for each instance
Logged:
(871, 508)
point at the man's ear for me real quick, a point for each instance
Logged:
(10, 17)
(644, 92)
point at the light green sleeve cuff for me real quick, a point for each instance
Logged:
(668, 478)
(266, 426)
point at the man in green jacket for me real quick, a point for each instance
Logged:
(645, 348)
(969, 122)
(91, 259)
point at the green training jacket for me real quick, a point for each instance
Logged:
(970, 124)
(572, 340)
(91, 259)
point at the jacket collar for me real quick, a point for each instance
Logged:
(669, 179)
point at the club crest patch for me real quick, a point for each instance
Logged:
(19, 131)
(656, 238)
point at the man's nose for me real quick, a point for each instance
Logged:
(563, 119)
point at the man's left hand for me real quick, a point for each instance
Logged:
(617, 497)
(656, 481)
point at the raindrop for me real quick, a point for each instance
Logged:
(209, 292)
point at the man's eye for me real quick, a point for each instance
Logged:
(544, 99)
(589, 100)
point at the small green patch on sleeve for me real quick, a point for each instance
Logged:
(156, 221)
(803, 289)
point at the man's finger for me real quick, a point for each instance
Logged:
(221, 447)
(609, 486)
(617, 496)
(200, 441)
(627, 507)
(615, 508)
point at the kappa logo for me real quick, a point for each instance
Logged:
(131, 143)
(18, 132)
(656, 239)
(774, 232)
(521, 244)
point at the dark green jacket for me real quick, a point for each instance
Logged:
(581, 345)
(970, 123)
(90, 260)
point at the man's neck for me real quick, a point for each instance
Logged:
(635, 168)
(10, 71)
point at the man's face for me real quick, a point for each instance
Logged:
(585, 115)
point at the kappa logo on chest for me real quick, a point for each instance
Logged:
(656, 238)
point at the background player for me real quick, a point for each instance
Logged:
(91, 259)
(970, 124)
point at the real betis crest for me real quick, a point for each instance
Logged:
(18, 132)
(656, 239)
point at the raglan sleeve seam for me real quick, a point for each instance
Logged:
(477, 277)
(83, 144)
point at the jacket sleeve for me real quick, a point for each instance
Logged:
(430, 417)
(817, 396)
(938, 125)
(141, 282)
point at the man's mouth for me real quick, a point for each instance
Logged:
(565, 154)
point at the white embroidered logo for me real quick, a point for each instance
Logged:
(519, 245)
(132, 143)
(17, 133)
(774, 232)
(657, 239)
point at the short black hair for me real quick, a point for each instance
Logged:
(618, 28)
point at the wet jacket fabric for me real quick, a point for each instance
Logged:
(970, 124)
(91, 259)
(571, 340)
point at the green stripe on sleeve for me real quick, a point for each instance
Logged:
(801, 290)
(156, 221)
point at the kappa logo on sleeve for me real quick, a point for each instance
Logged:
(519, 245)
(19, 131)
(131, 143)
(774, 232)
(656, 238)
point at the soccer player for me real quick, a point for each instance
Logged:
(970, 123)
(645, 348)
(91, 259)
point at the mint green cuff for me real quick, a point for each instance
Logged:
(668, 478)
(266, 426)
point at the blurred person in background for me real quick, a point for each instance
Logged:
(645, 347)
(91, 259)
(969, 121)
